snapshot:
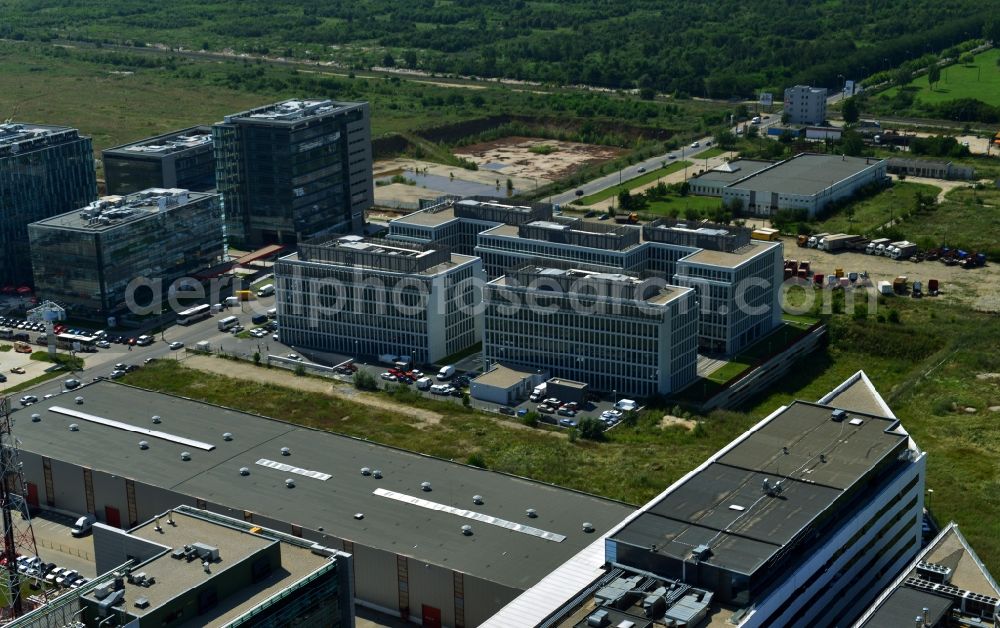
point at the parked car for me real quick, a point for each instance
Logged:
(389, 377)
(626, 405)
(175, 345)
(545, 409)
(566, 412)
(294, 356)
(28, 400)
(507, 410)
(102, 344)
(70, 384)
(567, 422)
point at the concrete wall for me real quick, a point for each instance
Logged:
(484, 599)
(112, 547)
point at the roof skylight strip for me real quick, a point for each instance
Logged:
(128, 427)
(471, 514)
(281, 466)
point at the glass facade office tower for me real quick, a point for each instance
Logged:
(86, 259)
(44, 171)
(294, 170)
(181, 159)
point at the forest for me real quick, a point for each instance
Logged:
(719, 49)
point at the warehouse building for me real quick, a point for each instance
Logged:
(608, 329)
(179, 159)
(711, 182)
(456, 223)
(934, 169)
(800, 521)
(294, 170)
(368, 296)
(432, 540)
(946, 585)
(44, 171)
(87, 259)
(807, 181)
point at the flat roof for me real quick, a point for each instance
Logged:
(291, 111)
(13, 132)
(662, 296)
(805, 174)
(111, 212)
(427, 218)
(503, 376)
(905, 604)
(194, 137)
(733, 170)
(724, 504)
(493, 552)
(728, 259)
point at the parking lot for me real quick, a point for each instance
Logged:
(57, 545)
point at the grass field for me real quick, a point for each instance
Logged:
(865, 216)
(631, 184)
(980, 80)
(968, 219)
(715, 151)
(676, 205)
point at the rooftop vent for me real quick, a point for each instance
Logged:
(79, 401)
(359, 516)
(141, 603)
(365, 471)
(477, 499)
(856, 421)
(599, 619)
(244, 471)
(838, 415)
(701, 552)
(425, 486)
(156, 418)
(143, 444)
(467, 530)
(285, 451)
(588, 527)
(531, 512)
(73, 427)
(185, 455)
(227, 436)
(35, 418)
(772, 490)
(377, 474)
(290, 483)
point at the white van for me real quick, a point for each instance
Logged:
(266, 291)
(424, 383)
(83, 525)
(232, 302)
(446, 372)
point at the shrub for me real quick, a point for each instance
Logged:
(363, 380)
(591, 429)
(476, 459)
(530, 419)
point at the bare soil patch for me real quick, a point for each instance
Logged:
(516, 158)
(670, 420)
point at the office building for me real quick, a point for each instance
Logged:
(294, 170)
(805, 105)
(179, 159)
(86, 259)
(608, 329)
(800, 521)
(368, 297)
(44, 171)
(457, 223)
(945, 585)
(807, 181)
(412, 557)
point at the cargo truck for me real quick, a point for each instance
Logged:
(814, 240)
(838, 242)
(903, 250)
(874, 244)
(884, 287)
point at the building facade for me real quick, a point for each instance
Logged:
(44, 171)
(87, 259)
(610, 330)
(180, 159)
(808, 181)
(369, 297)
(294, 170)
(805, 105)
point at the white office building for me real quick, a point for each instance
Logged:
(611, 330)
(805, 105)
(365, 297)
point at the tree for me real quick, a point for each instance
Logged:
(647, 93)
(725, 139)
(625, 201)
(933, 74)
(388, 61)
(967, 59)
(591, 429)
(410, 58)
(851, 111)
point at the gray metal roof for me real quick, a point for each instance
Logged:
(805, 174)
(904, 605)
(732, 171)
(499, 554)
(724, 504)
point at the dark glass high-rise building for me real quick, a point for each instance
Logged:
(44, 171)
(86, 259)
(294, 170)
(180, 159)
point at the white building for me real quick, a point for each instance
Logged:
(365, 297)
(801, 521)
(807, 181)
(610, 330)
(805, 105)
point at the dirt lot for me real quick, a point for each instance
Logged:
(979, 288)
(512, 156)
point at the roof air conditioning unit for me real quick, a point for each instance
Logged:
(838, 415)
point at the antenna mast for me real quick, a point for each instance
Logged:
(18, 537)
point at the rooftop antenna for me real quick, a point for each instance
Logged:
(18, 537)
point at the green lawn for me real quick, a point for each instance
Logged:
(968, 219)
(631, 184)
(676, 205)
(980, 80)
(865, 216)
(728, 371)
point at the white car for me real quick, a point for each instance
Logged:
(274, 337)
(175, 345)
(389, 377)
(293, 356)
(695, 144)
(102, 344)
